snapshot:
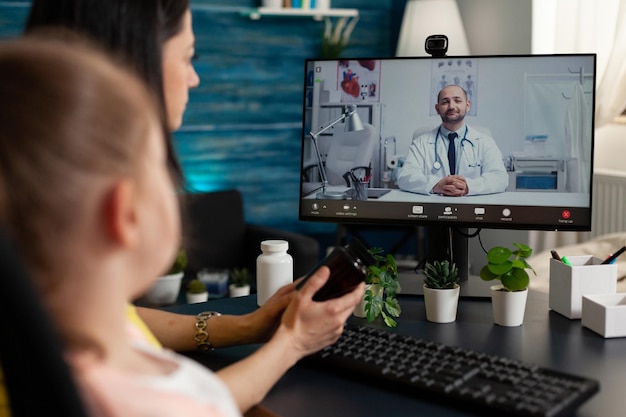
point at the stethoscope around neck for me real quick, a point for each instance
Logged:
(437, 163)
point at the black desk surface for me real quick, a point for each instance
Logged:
(546, 338)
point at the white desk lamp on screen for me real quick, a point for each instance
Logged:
(353, 124)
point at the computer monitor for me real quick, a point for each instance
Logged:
(538, 109)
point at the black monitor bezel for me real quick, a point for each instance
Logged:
(584, 212)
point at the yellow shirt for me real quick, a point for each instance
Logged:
(4, 400)
(135, 320)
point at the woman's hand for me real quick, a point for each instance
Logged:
(305, 326)
(265, 320)
(313, 325)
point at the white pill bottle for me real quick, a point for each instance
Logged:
(274, 268)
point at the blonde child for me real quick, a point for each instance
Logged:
(90, 202)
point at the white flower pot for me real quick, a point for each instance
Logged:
(235, 291)
(508, 306)
(201, 297)
(359, 310)
(441, 305)
(165, 289)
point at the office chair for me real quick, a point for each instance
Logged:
(347, 151)
(350, 151)
(37, 379)
(218, 237)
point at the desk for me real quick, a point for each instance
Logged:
(545, 338)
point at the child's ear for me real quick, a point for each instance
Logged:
(120, 213)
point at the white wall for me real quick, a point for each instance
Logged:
(497, 26)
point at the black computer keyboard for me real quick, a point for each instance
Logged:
(484, 383)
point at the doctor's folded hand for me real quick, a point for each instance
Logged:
(452, 185)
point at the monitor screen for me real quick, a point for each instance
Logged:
(377, 150)
(522, 158)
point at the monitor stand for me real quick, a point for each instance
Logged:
(447, 243)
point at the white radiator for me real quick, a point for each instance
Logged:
(609, 202)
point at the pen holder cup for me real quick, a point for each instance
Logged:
(586, 275)
(359, 190)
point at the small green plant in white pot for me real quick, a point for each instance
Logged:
(239, 282)
(380, 290)
(441, 291)
(196, 292)
(509, 267)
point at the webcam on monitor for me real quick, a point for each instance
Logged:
(436, 45)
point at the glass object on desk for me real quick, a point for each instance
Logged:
(215, 280)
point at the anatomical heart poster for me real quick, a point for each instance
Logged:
(359, 80)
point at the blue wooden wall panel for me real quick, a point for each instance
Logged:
(242, 128)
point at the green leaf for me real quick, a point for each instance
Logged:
(523, 251)
(373, 310)
(498, 255)
(487, 275)
(500, 268)
(519, 263)
(515, 280)
(393, 307)
(389, 321)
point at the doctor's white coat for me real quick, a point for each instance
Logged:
(478, 160)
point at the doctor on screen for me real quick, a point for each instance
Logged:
(453, 159)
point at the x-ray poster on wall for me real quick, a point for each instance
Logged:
(455, 71)
(359, 80)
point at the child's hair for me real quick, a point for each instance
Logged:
(71, 119)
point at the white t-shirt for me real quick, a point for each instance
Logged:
(191, 389)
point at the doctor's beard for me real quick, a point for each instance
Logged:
(453, 116)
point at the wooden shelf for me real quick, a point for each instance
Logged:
(316, 14)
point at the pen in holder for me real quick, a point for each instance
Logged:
(358, 184)
(359, 190)
(584, 275)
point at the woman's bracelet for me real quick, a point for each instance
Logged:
(201, 336)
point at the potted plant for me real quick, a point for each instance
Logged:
(335, 39)
(509, 297)
(166, 288)
(180, 263)
(380, 290)
(441, 291)
(196, 292)
(239, 282)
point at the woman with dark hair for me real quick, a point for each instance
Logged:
(155, 38)
(135, 32)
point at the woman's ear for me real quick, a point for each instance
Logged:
(120, 213)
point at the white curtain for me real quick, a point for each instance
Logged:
(591, 26)
(584, 26)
